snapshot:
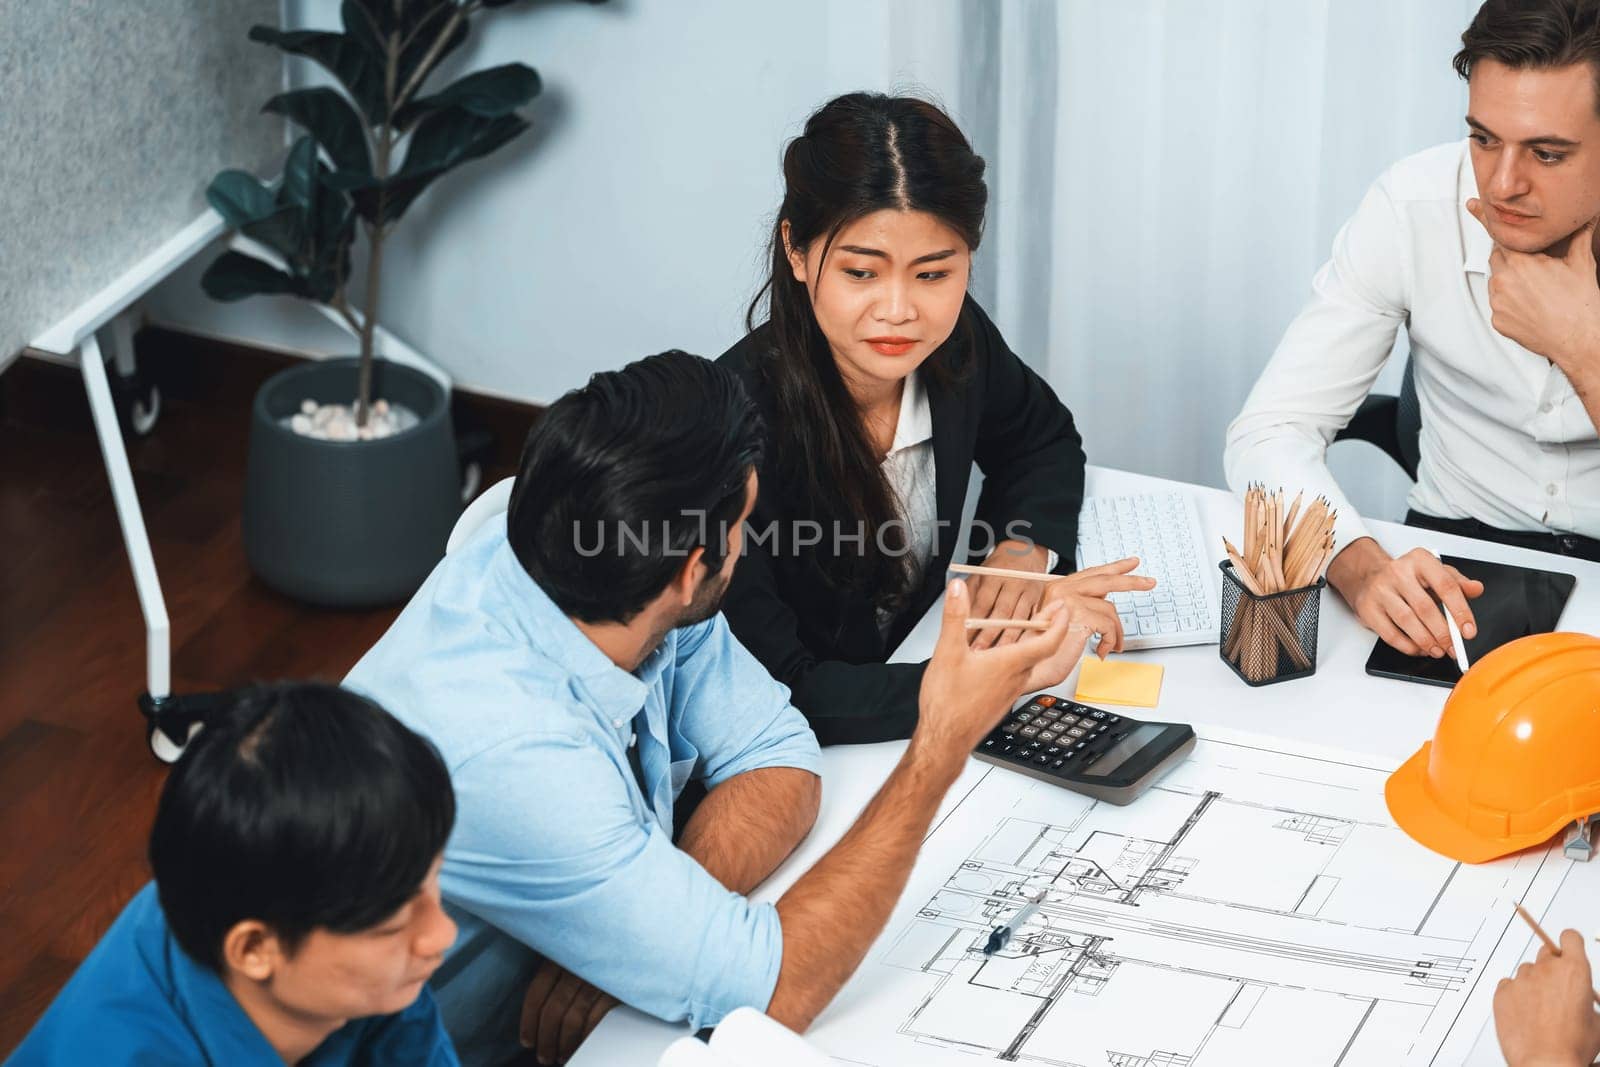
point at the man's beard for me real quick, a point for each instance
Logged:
(707, 600)
(706, 603)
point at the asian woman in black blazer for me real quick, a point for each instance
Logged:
(881, 382)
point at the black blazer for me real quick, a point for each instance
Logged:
(823, 642)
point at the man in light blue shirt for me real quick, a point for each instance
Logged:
(570, 665)
(562, 843)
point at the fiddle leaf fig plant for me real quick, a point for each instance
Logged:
(369, 148)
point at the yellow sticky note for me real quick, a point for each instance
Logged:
(1124, 682)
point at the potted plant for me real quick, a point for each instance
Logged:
(352, 482)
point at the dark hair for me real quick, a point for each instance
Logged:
(1533, 34)
(301, 805)
(623, 478)
(860, 153)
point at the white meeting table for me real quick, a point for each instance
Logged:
(1339, 707)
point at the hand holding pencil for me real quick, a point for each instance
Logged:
(1546, 1014)
(1084, 591)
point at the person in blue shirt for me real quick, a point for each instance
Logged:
(570, 663)
(295, 915)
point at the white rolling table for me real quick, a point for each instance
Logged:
(1340, 707)
(74, 341)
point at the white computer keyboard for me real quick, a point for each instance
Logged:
(1164, 531)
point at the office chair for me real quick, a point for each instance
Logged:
(492, 503)
(1393, 423)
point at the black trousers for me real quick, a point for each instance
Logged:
(1563, 544)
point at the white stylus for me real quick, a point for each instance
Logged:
(1456, 642)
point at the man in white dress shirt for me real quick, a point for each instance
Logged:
(1484, 251)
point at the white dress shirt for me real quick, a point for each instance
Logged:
(1505, 439)
(909, 468)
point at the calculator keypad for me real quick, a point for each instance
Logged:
(1055, 735)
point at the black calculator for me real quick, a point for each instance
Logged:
(1089, 750)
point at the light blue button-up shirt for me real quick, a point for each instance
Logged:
(556, 847)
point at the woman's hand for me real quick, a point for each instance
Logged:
(1104, 580)
(1008, 598)
(1086, 591)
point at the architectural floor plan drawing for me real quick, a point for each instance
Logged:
(1257, 906)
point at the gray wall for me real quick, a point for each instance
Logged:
(632, 217)
(114, 116)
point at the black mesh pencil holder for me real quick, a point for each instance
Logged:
(1270, 638)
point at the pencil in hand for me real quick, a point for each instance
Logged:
(1008, 624)
(1555, 949)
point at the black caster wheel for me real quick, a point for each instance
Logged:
(171, 722)
(144, 413)
(164, 748)
(138, 403)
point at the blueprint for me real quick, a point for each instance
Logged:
(1256, 907)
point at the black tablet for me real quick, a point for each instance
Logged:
(1516, 602)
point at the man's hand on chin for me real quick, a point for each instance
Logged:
(1549, 304)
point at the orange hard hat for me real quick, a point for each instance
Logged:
(1516, 755)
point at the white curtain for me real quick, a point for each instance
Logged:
(1167, 176)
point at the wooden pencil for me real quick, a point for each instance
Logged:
(1008, 624)
(1001, 572)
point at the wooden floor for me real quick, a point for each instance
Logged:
(77, 783)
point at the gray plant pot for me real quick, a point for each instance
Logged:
(349, 523)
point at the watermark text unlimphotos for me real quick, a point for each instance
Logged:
(795, 538)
